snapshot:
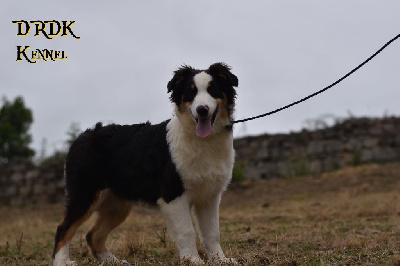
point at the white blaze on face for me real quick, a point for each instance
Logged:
(204, 124)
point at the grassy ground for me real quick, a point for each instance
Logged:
(351, 216)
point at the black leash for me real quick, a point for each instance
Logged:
(324, 89)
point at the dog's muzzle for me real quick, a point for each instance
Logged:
(204, 121)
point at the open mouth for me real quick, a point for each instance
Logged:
(204, 125)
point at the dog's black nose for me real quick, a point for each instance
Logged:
(202, 110)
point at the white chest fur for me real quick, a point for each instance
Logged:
(205, 165)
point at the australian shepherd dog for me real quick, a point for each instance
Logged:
(182, 166)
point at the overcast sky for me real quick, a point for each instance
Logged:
(280, 50)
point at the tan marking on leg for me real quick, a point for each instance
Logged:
(71, 231)
(111, 213)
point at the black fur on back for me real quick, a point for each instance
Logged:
(133, 161)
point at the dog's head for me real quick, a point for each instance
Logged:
(204, 99)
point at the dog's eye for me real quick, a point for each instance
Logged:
(189, 93)
(214, 91)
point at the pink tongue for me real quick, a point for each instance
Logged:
(203, 128)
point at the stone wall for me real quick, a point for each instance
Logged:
(352, 142)
(23, 183)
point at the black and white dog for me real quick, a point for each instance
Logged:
(179, 165)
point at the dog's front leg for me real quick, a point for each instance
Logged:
(180, 227)
(207, 214)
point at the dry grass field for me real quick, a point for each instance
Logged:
(347, 217)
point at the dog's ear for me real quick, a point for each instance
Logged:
(174, 84)
(223, 71)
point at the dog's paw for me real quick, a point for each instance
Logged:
(115, 263)
(229, 261)
(109, 259)
(223, 261)
(192, 261)
(58, 262)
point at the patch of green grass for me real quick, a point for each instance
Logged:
(299, 165)
(356, 159)
(238, 172)
(298, 197)
(298, 247)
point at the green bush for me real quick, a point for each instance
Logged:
(238, 172)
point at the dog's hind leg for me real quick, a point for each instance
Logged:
(112, 211)
(78, 209)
